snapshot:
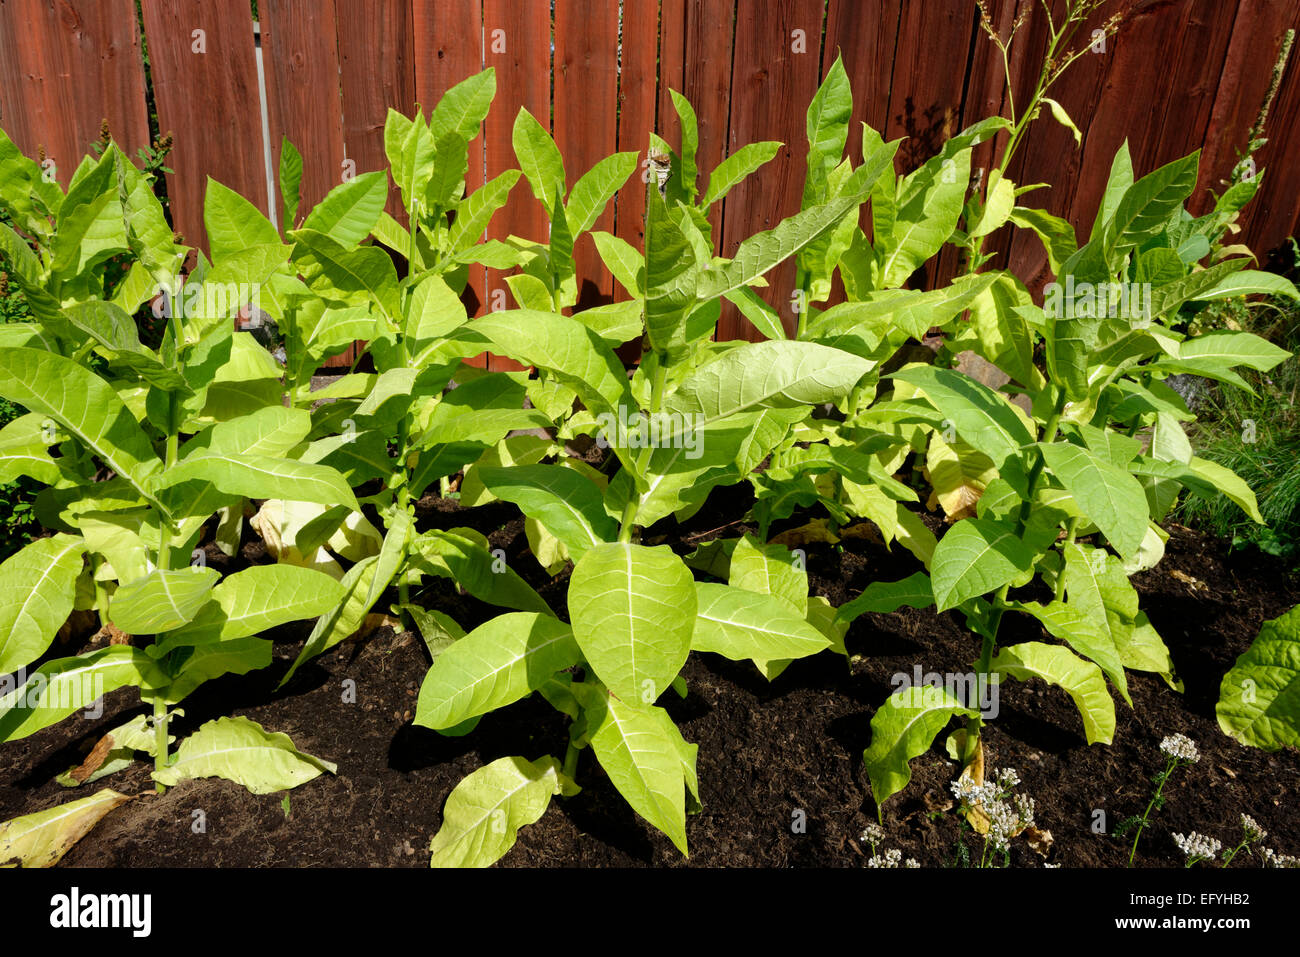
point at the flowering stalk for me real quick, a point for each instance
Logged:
(1180, 751)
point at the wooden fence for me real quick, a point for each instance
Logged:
(1180, 75)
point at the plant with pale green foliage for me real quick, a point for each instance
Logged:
(126, 499)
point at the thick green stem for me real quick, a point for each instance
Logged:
(571, 760)
(628, 521)
(159, 737)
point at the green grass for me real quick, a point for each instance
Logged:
(1257, 436)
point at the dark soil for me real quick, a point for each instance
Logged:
(770, 756)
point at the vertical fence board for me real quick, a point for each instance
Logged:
(376, 74)
(42, 43)
(516, 42)
(209, 101)
(448, 48)
(864, 32)
(636, 117)
(300, 56)
(771, 87)
(586, 107)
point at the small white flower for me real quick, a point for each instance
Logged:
(911, 862)
(1274, 859)
(1197, 846)
(1050, 866)
(1025, 809)
(1253, 831)
(1182, 747)
(873, 834)
(887, 859)
(1007, 778)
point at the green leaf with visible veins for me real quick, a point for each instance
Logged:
(1259, 698)
(1059, 666)
(496, 664)
(903, 728)
(564, 500)
(485, 811)
(162, 600)
(37, 589)
(633, 612)
(977, 556)
(241, 750)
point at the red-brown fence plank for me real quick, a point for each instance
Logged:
(300, 56)
(448, 48)
(1276, 211)
(775, 73)
(516, 41)
(377, 73)
(865, 35)
(637, 94)
(204, 73)
(696, 52)
(586, 105)
(43, 45)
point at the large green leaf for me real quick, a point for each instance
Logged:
(740, 624)
(1058, 665)
(633, 611)
(1259, 698)
(485, 811)
(263, 476)
(1086, 634)
(1250, 282)
(828, 130)
(273, 430)
(736, 168)
(476, 210)
(760, 252)
(238, 656)
(358, 582)
(1107, 495)
(983, 418)
(462, 555)
(494, 665)
(596, 188)
(350, 210)
(83, 403)
(354, 276)
(1146, 206)
(561, 345)
(233, 223)
(765, 375)
(162, 600)
(645, 757)
(885, 597)
(257, 598)
(568, 503)
(769, 570)
(977, 556)
(37, 589)
(903, 728)
(539, 158)
(241, 750)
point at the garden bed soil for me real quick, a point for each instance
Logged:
(770, 755)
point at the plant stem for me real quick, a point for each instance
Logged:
(1169, 769)
(627, 522)
(571, 760)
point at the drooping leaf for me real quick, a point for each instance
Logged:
(976, 557)
(240, 750)
(739, 624)
(41, 839)
(162, 600)
(1058, 665)
(568, 503)
(903, 728)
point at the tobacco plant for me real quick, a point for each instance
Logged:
(1074, 477)
(695, 415)
(139, 450)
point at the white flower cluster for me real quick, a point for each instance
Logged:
(1007, 816)
(1182, 747)
(892, 858)
(873, 834)
(1274, 859)
(1252, 829)
(1197, 846)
